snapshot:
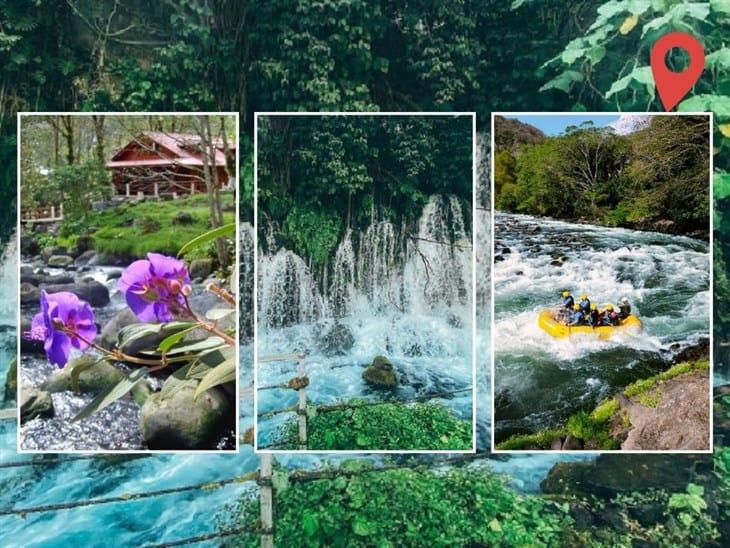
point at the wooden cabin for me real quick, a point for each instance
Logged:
(164, 164)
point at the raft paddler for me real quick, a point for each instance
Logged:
(594, 318)
(585, 304)
(610, 317)
(624, 308)
(577, 318)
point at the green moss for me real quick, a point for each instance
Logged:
(594, 433)
(644, 385)
(425, 426)
(131, 230)
(405, 507)
(605, 410)
(542, 440)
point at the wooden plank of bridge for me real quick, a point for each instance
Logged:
(267, 500)
(302, 407)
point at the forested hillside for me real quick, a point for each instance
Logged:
(656, 178)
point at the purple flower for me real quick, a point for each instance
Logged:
(64, 321)
(155, 287)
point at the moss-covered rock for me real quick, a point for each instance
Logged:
(35, 403)
(174, 419)
(94, 377)
(11, 381)
(381, 373)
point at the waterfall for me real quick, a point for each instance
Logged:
(438, 267)
(245, 279)
(287, 291)
(342, 290)
(428, 271)
(377, 267)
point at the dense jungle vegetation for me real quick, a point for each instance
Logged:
(656, 178)
(537, 55)
(319, 175)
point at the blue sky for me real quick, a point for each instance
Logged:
(556, 124)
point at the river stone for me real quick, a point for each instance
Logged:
(381, 373)
(699, 351)
(337, 340)
(29, 294)
(178, 421)
(93, 380)
(45, 279)
(610, 474)
(114, 274)
(60, 261)
(84, 258)
(108, 336)
(201, 268)
(34, 403)
(11, 382)
(51, 250)
(29, 246)
(89, 290)
(84, 243)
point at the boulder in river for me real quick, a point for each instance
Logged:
(85, 258)
(29, 246)
(381, 373)
(60, 261)
(51, 250)
(11, 382)
(45, 279)
(96, 376)
(336, 340)
(29, 294)
(177, 420)
(201, 268)
(91, 291)
(34, 403)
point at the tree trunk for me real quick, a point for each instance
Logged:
(211, 185)
(99, 136)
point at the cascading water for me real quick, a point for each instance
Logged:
(405, 297)
(245, 279)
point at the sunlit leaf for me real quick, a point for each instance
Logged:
(221, 374)
(113, 393)
(221, 232)
(628, 25)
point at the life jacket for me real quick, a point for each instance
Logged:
(610, 318)
(585, 305)
(594, 318)
(568, 302)
(577, 318)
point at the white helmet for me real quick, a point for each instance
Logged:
(624, 300)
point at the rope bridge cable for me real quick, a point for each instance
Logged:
(206, 537)
(339, 406)
(47, 462)
(127, 497)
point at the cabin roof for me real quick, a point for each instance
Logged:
(174, 149)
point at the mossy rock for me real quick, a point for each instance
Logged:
(381, 373)
(95, 377)
(35, 403)
(11, 381)
(175, 419)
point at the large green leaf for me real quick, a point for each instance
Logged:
(221, 374)
(136, 331)
(113, 393)
(209, 343)
(222, 231)
(175, 338)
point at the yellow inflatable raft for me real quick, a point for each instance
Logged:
(547, 323)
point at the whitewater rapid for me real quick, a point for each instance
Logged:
(541, 380)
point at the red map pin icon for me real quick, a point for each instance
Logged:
(673, 86)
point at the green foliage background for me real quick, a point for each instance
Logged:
(320, 175)
(537, 55)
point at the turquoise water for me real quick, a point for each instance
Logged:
(540, 380)
(159, 519)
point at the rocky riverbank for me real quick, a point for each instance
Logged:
(667, 411)
(159, 413)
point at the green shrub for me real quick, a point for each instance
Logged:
(542, 440)
(406, 507)
(425, 426)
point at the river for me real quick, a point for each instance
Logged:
(540, 381)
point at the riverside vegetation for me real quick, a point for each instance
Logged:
(655, 178)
